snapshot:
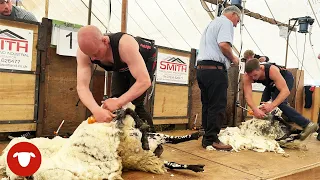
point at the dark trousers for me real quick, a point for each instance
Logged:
(121, 83)
(213, 84)
(272, 92)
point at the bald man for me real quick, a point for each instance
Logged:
(132, 60)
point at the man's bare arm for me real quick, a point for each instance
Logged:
(227, 51)
(247, 88)
(129, 53)
(281, 85)
(83, 81)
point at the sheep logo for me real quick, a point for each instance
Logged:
(24, 159)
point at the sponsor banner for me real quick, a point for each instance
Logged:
(15, 48)
(172, 69)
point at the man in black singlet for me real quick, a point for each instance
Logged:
(280, 82)
(132, 61)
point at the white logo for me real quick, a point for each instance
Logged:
(24, 158)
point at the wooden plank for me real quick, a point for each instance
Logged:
(259, 164)
(255, 15)
(240, 112)
(170, 100)
(196, 105)
(61, 95)
(124, 15)
(312, 112)
(17, 88)
(313, 173)
(16, 112)
(233, 73)
(212, 170)
(296, 95)
(170, 121)
(17, 127)
(32, 27)
(315, 104)
(98, 86)
(299, 84)
(256, 97)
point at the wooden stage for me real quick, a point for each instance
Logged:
(235, 165)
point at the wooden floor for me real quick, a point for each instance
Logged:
(235, 165)
(238, 165)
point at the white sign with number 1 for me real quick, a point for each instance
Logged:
(67, 42)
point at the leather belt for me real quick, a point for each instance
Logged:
(209, 67)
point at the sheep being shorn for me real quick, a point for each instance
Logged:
(101, 151)
(263, 135)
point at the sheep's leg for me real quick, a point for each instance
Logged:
(178, 139)
(142, 126)
(194, 168)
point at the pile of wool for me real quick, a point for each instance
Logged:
(90, 153)
(94, 151)
(255, 134)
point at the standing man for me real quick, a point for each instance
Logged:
(280, 82)
(7, 9)
(213, 61)
(132, 61)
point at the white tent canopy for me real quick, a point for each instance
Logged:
(179, 24)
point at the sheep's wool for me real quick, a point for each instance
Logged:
(90, 153)
(255, 134)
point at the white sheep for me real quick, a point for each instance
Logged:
(262, 135)
(100, 151)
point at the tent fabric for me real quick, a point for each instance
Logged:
(179, 24)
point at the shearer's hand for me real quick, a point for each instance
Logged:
(258, 113)
(266, 107)
(111, 104)
(102, 115)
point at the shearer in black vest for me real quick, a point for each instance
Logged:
(133, 62)
(280, 82)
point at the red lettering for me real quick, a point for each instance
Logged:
(145, 46)
(2, 44)
(173, 66)
(10, 44)
(23, 46)
(163, 65)
(183, 68)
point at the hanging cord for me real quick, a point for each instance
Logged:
(304, 50)
(241, 29)
(314, 54)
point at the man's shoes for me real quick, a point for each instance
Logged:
(219, 146)
(311, 128)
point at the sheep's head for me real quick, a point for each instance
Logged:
(123, 118)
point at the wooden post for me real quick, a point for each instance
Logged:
(287, 46)
(89, 12)
(255, 15)
(46, 11)
(124, 15)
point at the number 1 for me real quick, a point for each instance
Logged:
(70, 35)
